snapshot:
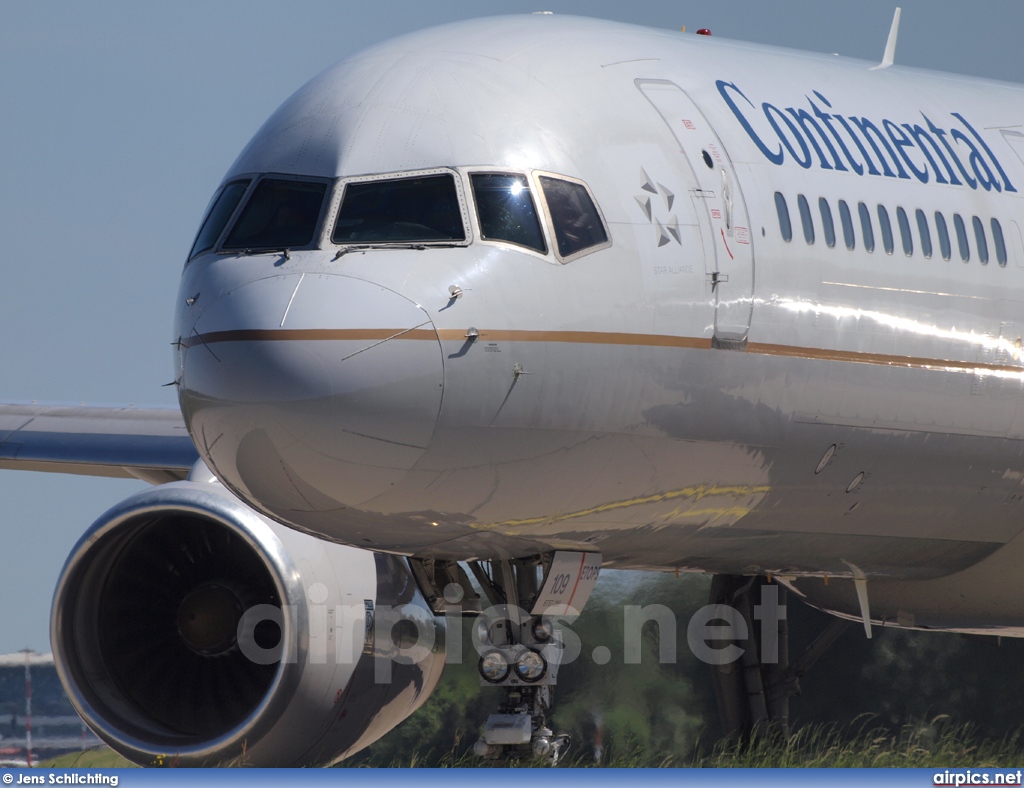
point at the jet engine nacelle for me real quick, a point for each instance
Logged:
(188, 629)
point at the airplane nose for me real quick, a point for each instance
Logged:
(311, 392)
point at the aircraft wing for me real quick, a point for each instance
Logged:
(151, 444)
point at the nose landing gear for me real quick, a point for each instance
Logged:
(521, 653)
(519, 646)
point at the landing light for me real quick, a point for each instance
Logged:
(492, 631)
(494, 667)
(530, 666)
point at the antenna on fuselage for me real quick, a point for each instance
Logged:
(890, 45)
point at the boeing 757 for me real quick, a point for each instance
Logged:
(519, 298)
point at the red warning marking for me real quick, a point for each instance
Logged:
(722, 231)
(689, 124)
(583, 559)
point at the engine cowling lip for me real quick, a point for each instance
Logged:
(212, 503)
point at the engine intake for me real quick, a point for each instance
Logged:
(186, 627)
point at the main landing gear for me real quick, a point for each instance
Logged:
(753, 691)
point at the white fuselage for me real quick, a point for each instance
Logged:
(696, 393)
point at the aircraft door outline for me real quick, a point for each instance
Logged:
(730, 264)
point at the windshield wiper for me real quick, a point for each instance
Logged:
(253, 252)
(417, 246)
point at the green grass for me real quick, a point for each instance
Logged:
(934, 743)
(863, 743)
(93, 758)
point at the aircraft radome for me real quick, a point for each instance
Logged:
(563, 295)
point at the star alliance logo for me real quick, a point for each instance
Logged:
(667, 228)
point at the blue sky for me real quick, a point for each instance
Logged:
(118, 119)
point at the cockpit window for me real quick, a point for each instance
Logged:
(223, 206)
(577, 223)
(281, 214)
(506, 210)
(420, 209)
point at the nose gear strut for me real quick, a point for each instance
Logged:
(520, 648)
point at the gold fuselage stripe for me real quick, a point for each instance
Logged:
(585, 338)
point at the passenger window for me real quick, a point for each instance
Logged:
(847, 221)
(979, 238)
(280, 214)
(997, 236)
(419, 209)
(865, 227)
(577, 223)
(961, 237)
(883, 222)
(506, 210)
(805, 218)
(223, 206)
(943, 231)
(785, 226)
(904, 223)
(826, 222)
(924, 233)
